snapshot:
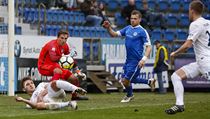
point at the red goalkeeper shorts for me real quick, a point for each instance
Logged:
(48, 70)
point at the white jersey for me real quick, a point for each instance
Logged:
(41, 87)
(51, 96)
(199, 33)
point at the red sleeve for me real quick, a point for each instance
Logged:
(75, 64)
(66, 49)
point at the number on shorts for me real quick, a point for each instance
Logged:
(209, 37)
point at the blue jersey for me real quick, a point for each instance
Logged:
(135, 39)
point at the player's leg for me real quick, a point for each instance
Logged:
(57, 72)
(161, 88)
(188, 71)
(150, 82)
(53, 70)
(136, 79)
(55, 87)
(129, 73)
(67, 75)
(60, 105)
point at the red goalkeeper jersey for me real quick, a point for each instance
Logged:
(52, 52)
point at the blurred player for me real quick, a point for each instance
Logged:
(136, 38)
(48, 95)
(199, 37)
(50, 55)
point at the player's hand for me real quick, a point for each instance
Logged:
(81, 75)
(173, 54)
(73, 53)
(18, 99)
(106, 24)
(141, 63)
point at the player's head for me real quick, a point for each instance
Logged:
(135, 18)
(131, 2)
(27, 84)
(145, 4)
(62, 37)
(157, 43)
(196, 9)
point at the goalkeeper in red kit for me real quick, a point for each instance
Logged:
(50, 55)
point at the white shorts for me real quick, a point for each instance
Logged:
(195, 69)
(54, 96)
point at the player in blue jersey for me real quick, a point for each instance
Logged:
(136, 38)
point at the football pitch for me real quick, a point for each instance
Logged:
(146, 105)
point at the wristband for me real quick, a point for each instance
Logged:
(144, 58)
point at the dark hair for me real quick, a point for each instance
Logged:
(134, 12)
(156, 42)
(24, 79)
(197, 6)
(63, 32)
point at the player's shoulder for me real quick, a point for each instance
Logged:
(127, 27)
(142, 30)
(42, 84)
(51, 43)
(199, 22)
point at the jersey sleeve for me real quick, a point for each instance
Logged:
(194, 31)
(122, 31)
(147, 40)
(66, 48)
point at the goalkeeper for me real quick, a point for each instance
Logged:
(50, 55)
(48, 95)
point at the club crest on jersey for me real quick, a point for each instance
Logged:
(135, 34)
(53, 49)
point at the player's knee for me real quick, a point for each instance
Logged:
(57, 71)
(54, 85)
(40, 106)
(126, 83)
(175, 76)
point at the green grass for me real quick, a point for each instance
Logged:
(108, 106)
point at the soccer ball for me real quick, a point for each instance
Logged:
(66, 62)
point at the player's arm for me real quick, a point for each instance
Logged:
(39, 106)
(77, 72)
(183, 48)
(107, 25)
(148, 50)
(20, 99)
(41, 95)
(194, 32)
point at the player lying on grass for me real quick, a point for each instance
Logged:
(48, 95)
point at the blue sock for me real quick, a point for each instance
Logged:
(129, 91)
(139, 80)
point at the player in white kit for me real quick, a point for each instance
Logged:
(199, 37)
(48, 95)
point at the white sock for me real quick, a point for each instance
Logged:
(65, 85)
(178, 89)
(56, 105)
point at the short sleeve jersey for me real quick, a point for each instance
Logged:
(38, 90)
(199, 33)
(135, 39)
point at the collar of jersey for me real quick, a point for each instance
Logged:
(135, 26)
